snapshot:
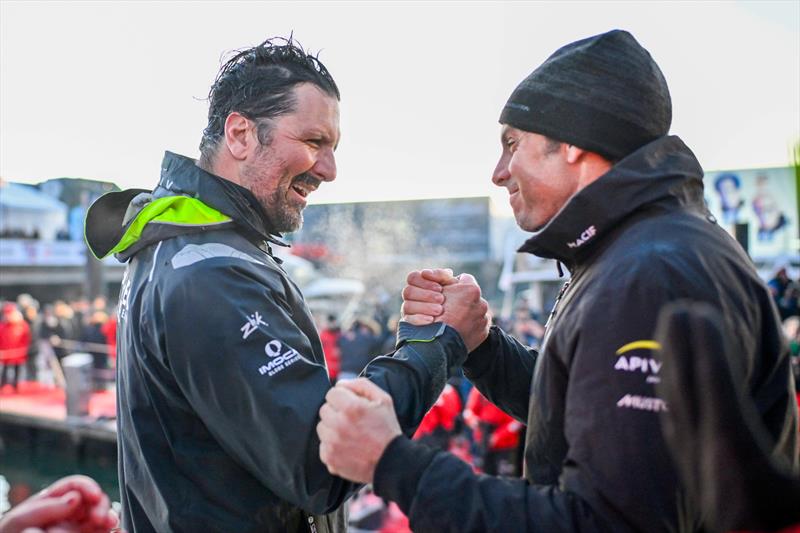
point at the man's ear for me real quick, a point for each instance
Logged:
(573, 153)
(238, 137)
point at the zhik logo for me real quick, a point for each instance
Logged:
(587, 234)
(253, 321)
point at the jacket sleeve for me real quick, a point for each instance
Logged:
(440, 493)
(249, 373)
(416, 373)
(502, 369)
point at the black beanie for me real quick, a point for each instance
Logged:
(604, 94)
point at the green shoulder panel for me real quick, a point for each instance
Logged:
(173, 210)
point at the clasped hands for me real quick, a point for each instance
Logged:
(74, 504)
(358, 421)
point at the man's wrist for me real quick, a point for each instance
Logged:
(480, 359)
(449, 338)
(408, 332)
(399, 470)
(382, 452)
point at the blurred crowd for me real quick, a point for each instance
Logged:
(35, 337)
(786, 292)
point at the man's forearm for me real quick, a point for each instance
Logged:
(441, 493)
(415, 374)
(502, 369)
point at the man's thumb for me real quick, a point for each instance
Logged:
(467, 279)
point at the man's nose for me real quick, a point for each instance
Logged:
(501, 173)
(325, 167)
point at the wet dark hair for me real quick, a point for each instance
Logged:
(258, 83)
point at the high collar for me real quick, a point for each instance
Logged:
(113, 222)
(663, 172)
(180, 175)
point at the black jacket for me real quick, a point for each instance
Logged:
(595, 459)
(220, 369)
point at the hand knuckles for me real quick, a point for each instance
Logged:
(353, 413)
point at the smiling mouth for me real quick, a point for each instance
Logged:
(305, 184)
(302, 192)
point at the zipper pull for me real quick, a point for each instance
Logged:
(561, 292)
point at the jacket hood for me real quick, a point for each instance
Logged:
(186, 199)
(662, 172)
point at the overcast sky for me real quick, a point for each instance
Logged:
(99, 90)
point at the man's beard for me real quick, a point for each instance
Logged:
(283, 215)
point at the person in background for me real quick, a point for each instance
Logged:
(785, 291)
(61, 328)
(390, 334)
(99, 303)
(496, 434)
(109, 330)
(440, 423)
(81, 312)
(358, 346)
(765, 206)
(15, 339)
(329, 335)
(95, 344)
(30, 311)
(728, 187)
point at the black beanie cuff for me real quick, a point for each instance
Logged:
(575, 123)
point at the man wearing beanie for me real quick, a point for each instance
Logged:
(592, 172)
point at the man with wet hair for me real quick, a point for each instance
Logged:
(592, 172)
(221, 371)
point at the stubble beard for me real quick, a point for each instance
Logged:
(282, 215)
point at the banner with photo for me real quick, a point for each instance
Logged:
(758, 207)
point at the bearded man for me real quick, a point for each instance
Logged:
(221, 372)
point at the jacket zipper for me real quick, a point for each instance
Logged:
(561, 292)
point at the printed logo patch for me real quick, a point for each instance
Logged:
(645, 365)
(281, 357)
(642, 403)
(587, 234)
(253, 321)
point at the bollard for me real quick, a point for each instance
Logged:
(78, 375)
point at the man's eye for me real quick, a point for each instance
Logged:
(315, 142)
